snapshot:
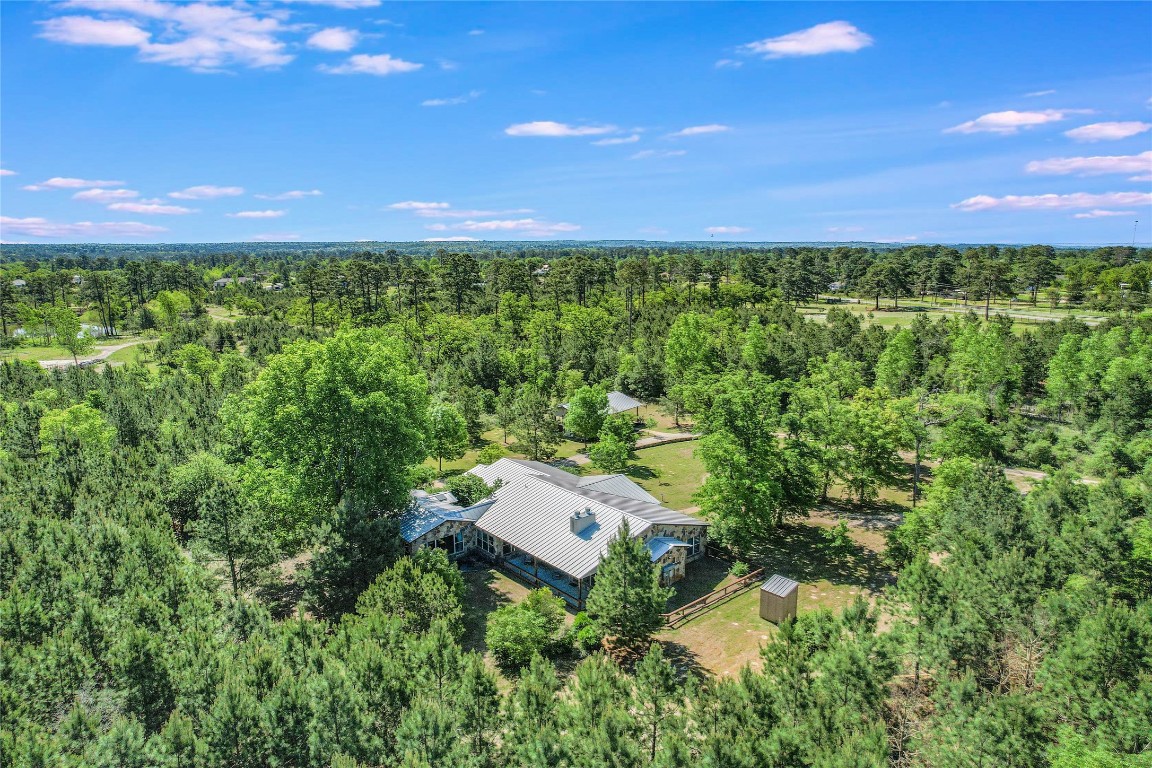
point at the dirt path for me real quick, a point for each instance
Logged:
(100, 356)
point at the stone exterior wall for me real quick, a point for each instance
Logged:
(448, 528)
(678, 558)
(684, 533)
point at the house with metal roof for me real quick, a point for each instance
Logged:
(553, 527)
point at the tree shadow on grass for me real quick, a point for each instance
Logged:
(280, 597)
(684, 659)
(801, 552)
(640, 472)
(483, 598)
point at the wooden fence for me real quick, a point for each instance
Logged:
(701, 604)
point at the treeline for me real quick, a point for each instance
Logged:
(374, 286)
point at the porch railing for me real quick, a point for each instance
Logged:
(701, 604)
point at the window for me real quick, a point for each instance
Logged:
(668, 573)
(696, 545)
(458, 543)
(489, 544)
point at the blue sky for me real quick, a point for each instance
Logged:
(325, 120)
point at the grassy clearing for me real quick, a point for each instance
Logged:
(134, 354)
(488, 589)
(726, 638)
(671, 473)
(35, 354)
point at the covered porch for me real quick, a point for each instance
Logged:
(537, 574)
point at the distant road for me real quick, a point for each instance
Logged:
(100, 356)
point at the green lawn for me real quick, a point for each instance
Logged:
(35, 354)
(669, 472)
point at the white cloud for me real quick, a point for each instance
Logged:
(334, 39)
(206, 192)
(1099, 214)
(647, 154)
(106, 195)
(832, 37)
(364, 64)
(416, 205)
(1011, 121)
(341, 4)
(39, 227)
(652, 230)
(85, 30)
(470, 96)
(534, 227)
(431, 213)
(554, 129)
(295, 194)
(1053, 202)
(1035, 94)
(728, 64)
(453, 239)
(274, 237)
(618, 140)
(1142, 177)
(256, 214)
(1093, 166)
(6, 172)
(475, 32)
(202, 36)
(154, 209)
(63, 182)
(727, 230)
(1108, 131)
(844, 230)
(700, 130)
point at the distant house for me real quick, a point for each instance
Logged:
(618, 402)
(836, 287)
(542, 271)
(224, 282)
(18, 283)
(551, 527)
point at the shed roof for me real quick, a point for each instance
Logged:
(618, 402)
(781, 586)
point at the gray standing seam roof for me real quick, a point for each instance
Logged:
(533, 506)
(781, 586)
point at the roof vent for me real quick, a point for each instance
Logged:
(581, 519)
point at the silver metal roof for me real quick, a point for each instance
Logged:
(781, 586)
(634, 504)
(617, 485)
(619, 402)
(658, 546)
(533, 514)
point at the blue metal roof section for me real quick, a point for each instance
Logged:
(658, 546)
(428, 512)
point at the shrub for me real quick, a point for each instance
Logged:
(468, 489)
(739, 569)
(585, 634)
(491, 453)
(517, 632)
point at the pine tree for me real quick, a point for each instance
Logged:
(626, 599)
